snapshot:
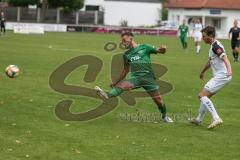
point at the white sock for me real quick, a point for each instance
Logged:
(198, 48)
(202, 112)
(209, 105)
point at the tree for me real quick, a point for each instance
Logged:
(66, 4)
(164, 9)
(44, 5)
(164, 14)
(23, 2)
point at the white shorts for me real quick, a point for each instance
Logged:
(215, 84)
(198, 38)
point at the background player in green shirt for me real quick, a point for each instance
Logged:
(137, 61)
(183, 33)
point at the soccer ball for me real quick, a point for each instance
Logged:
(12, 71)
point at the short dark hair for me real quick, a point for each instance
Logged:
(209, 30)
(127, 34)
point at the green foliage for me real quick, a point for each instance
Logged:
(124, 23)
(164, 14)
(23, 2)
(66, 4)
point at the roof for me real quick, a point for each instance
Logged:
(198, 4)
(146, 1)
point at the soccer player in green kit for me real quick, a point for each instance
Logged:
(183, 29)
(137, 61)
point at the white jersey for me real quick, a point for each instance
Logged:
(197, 30)
(216, 54)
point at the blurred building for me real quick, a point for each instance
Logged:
(218, 13)
(127, 12)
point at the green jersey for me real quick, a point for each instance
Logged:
(183, 30)
(138, 59)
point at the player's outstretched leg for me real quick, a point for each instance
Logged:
(101, 93)
(200, 117)
(206, 104)
(116, 90)
(216, 120)
(204, 97)
(215, 123)
(161, 106)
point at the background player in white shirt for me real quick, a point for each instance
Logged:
(197, 35)
(222, 75)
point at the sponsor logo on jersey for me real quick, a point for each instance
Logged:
(135, 58)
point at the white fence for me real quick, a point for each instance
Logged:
(57, 16)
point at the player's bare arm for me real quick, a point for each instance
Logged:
(206, 67)
(228, 65)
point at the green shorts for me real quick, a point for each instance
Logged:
(183, 39)
(147, 82)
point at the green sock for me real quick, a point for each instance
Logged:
(116, 91)
(163, 110)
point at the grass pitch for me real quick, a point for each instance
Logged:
(29, 128)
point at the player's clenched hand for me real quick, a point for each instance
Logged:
(162, 49)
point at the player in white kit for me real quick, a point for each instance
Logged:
(222, 75)
(197, 35)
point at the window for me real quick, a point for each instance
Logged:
(92, 8)
(173, 17)
(215, 11)
(217, 23)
